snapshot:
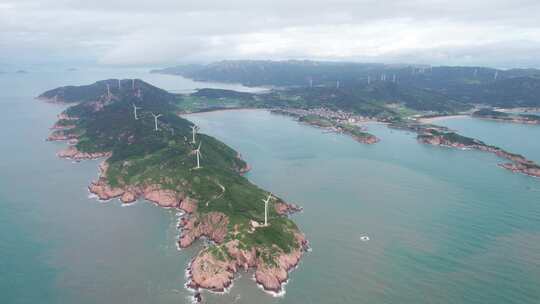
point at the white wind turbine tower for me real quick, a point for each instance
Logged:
(108, 91)
(198, 154)
(266, 201)
(369, 80)
(496, 75)
(311, 82)
(133, 84)
(156, 116)
(337, 84)
(394, 79)
(135, 108)
(194, 129)
(119, 85)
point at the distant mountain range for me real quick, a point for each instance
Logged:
(416, 85)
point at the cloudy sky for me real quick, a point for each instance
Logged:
(500, 33)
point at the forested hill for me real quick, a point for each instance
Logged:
(506, 88)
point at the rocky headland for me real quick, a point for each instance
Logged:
(157, 164)
(518, 163)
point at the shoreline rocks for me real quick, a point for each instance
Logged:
(368, 139)
(283, 208)
(73, 153)
(61, 135)
(216, 273)
(519, 164)
(154, 193)
(212, 225)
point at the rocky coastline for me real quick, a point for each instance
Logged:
(368, 139)
(518, 163)
(165, 176)
(216, 273)
(206, 271)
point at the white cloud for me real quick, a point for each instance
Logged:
(496, 32)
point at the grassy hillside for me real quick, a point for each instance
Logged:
(141, 155)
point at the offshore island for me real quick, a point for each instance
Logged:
(151, 153)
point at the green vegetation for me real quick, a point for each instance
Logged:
(316, 121)
(420, 87)
(140, 156)
(453, 137)
(491, 114)
(379, 100)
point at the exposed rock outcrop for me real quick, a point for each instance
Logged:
(283, 208)
(216, 272)
(271, 277)
(366, 139)
(72, 152)
(213, 225)
(62, 134)
(166, 198)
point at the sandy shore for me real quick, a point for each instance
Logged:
(439, 118)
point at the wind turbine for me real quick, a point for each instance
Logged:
(119, 85)
(337, 84)
(310, 82)
(194, 129)
(369, 80)
(108, 91)
(155, 120)
(496, 75)
(394, 79)
(135, 108)
(266, 201)
(199, 155)
(133, 84)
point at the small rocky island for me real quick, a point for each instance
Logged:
(149, 153)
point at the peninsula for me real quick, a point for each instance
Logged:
(149, 153)
(442, 136)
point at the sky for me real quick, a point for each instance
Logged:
(496, 33)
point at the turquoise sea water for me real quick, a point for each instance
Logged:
(445, 226)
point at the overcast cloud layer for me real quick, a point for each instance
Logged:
(500, 33)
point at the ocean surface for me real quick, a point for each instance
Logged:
(444, 225)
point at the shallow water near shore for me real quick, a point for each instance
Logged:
(445, 226)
